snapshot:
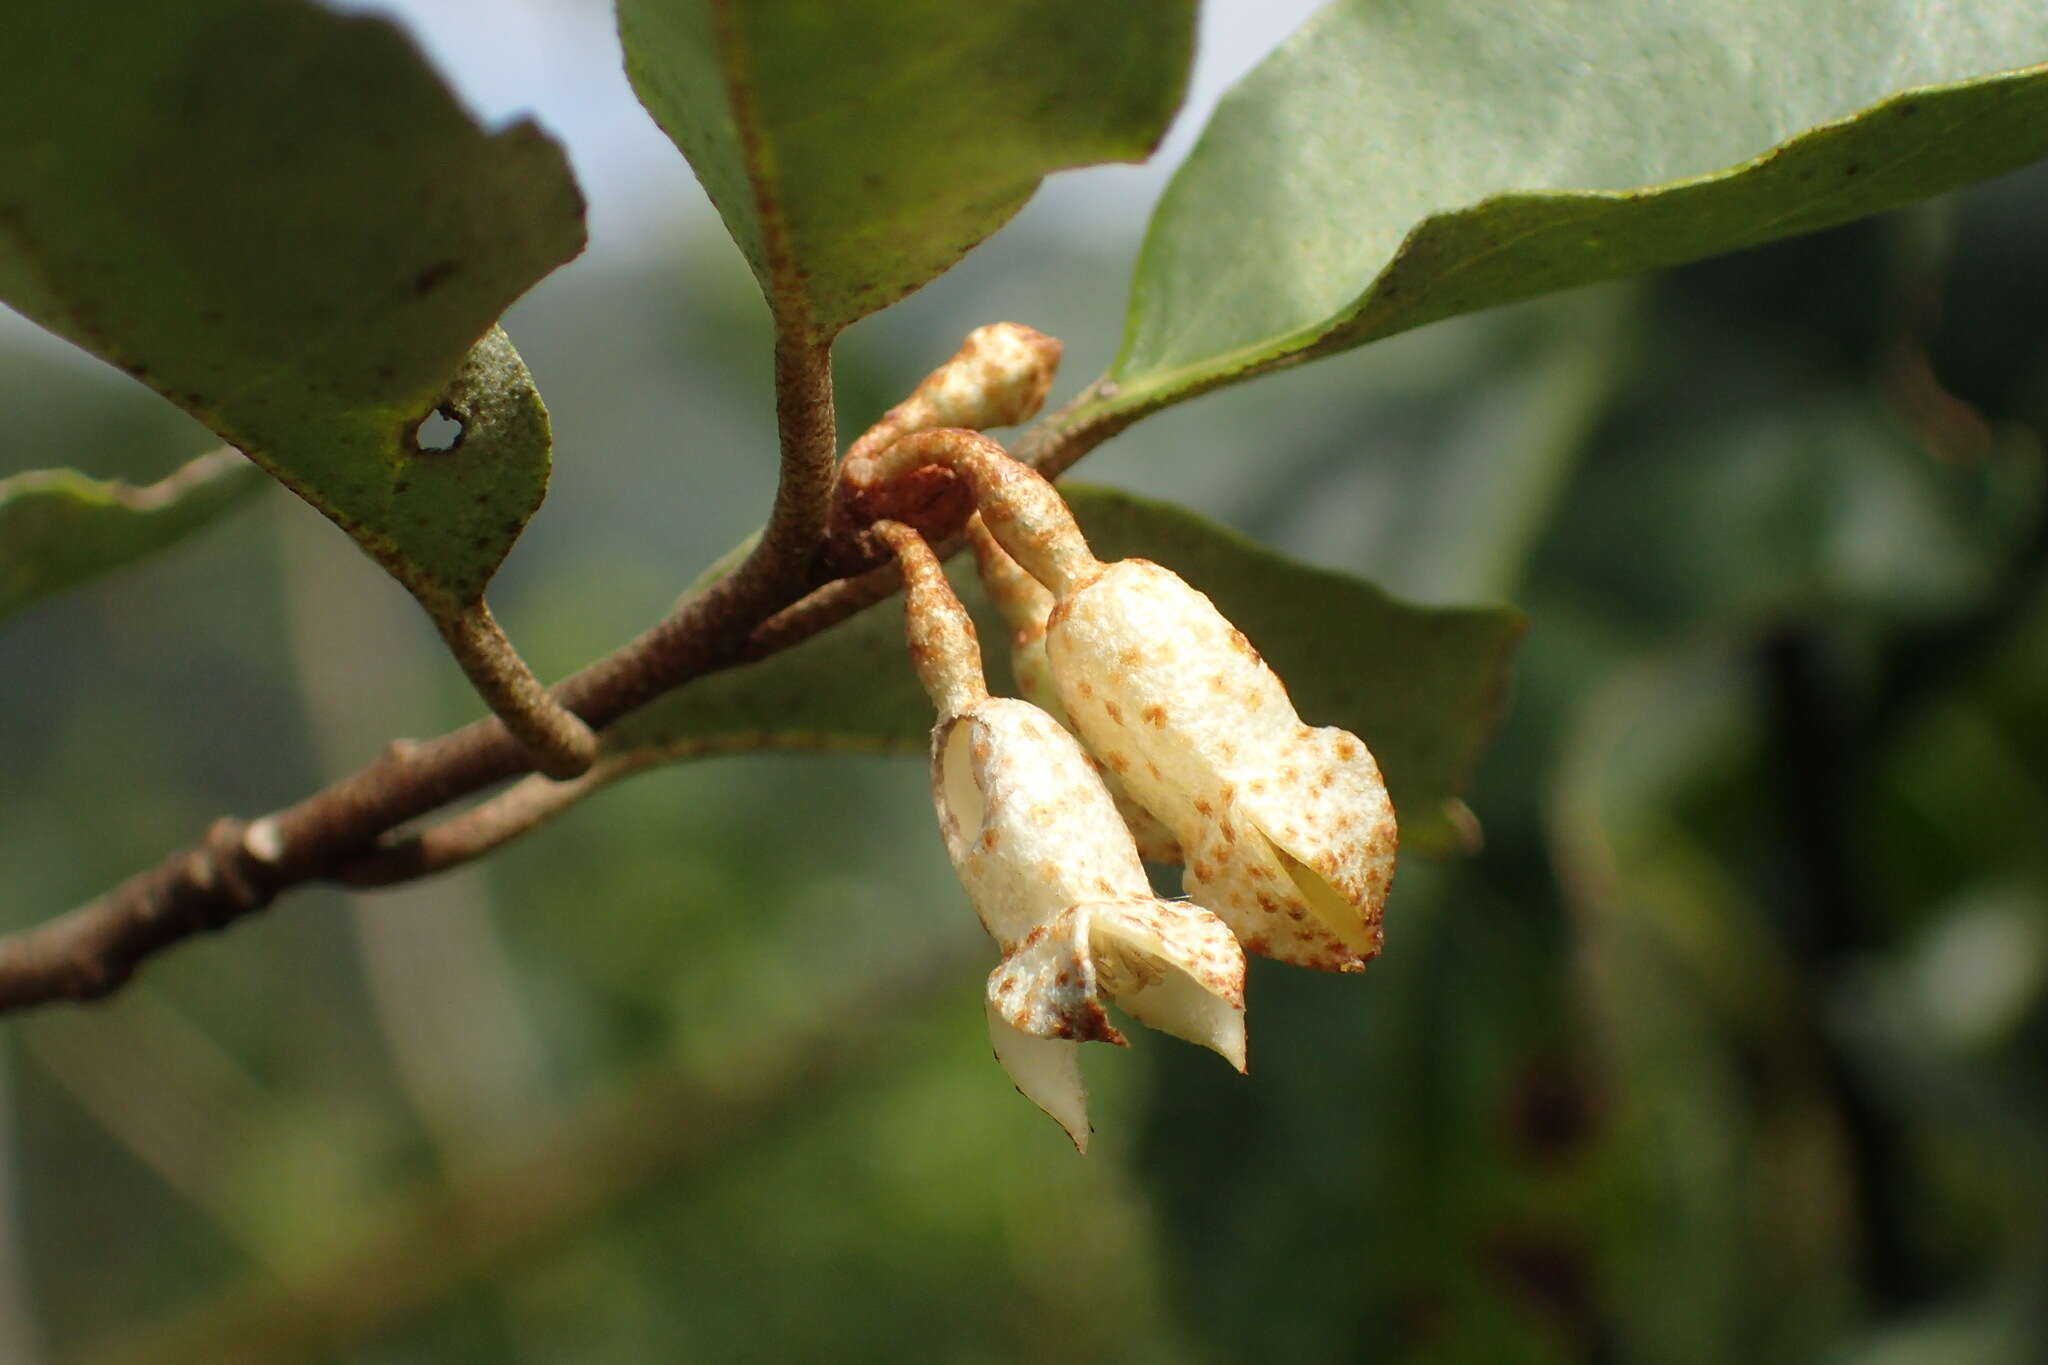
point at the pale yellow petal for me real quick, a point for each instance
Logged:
(1173, 967)
(1047, 1071)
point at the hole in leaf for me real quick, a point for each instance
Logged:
(438, 433)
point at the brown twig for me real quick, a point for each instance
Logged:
(526, 805)
(239, 869)
(767, 604)
(535, 801)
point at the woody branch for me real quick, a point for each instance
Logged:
(779, 596)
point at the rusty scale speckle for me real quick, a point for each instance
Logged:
(1240, 787)
(1285, 829)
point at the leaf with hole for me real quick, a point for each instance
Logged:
(856, 151)
(1400, 161)
(59, 527)
(279, 217)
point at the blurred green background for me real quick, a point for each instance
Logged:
(1731, 1043)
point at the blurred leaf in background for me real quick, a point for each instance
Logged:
(59, 527)
(376, 234)
(1643, 1081)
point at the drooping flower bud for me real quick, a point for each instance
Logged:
(998, 377)
(1053, 874)
(1285, 829)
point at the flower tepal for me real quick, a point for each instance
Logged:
(1053, 874)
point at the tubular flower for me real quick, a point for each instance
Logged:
(1285, 829)
(1053, 874)
(1025, 605)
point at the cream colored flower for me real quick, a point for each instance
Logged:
(1053, 874)
(1285, 829)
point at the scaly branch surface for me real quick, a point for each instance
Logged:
(777, 597)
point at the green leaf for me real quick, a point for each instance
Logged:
(280, 218)
(858, 150)
(1401, 161)
(1694, 991)
(1422, 686)
(59, 527)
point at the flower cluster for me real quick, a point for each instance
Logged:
(1053, 873)
(1194, 754)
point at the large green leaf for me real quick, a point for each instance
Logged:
(280, 218)
(59, 527)
(857, 150)
(1422, 686)
(1401, 161)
